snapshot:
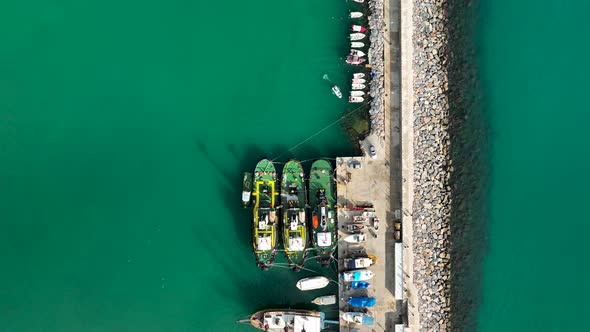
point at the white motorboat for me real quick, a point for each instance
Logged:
(358, 86)
(357, 45)
(358, 80)
(357, 36)
(358, 75)
(324, 300)
(359, 1)
(356, 14)
(336, 91)
(355, 60)
(356, 238)
(357, 275)
(358, 318)
(359, 262)
(357, 53)
(310, 283)
(357, 93)
(358, 28)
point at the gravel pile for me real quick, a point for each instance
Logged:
(375, 56)
(432, 165)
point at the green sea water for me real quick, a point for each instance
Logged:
(125, 127)
(534, 73)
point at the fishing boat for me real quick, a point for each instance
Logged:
(359, 262)
(353, 227)
(362, 302)
(286, 320)
(355, 60)
(336, 91)
(359, 1)
(323, 201)
(358, 28)
(358, 80)
(356, 238)
(246, 189)
(311, 283)
(357, 36)
(356, 14)
(324, 300)
(357, 93)
(356, 86)
(360, 285)
(357, 45)
(357, 275)
(357, 53)
(293, 199)
(358, 318)
(265, 225)
(356, 99)
(358, 75)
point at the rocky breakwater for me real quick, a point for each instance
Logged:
(375, 55)
(432, 166)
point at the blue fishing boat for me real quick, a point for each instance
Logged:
(359, 284)
(362, 302)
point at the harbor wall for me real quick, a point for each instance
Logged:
(445, 166)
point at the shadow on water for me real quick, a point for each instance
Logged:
(469, 179)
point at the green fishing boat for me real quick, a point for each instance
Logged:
(322, 198)
(265, 226)
(293, 198)
(247, 189)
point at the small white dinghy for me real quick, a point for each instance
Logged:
(356, 14)
(357, 36)
(358, 75)
(310, 283)
(358, 86)
(358, 318)
(358, 81)
(336, 91)
(324, 300)
(357, 93)
(356, 238)
(357, 53)
(357, 275)
(357, 45)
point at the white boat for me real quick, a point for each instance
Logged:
(336, 91)
(358, 86)
(358, 318)
(355, 100)
(356, 14)
(357, 45)
(324, 300)
(358, 75)
(359, 262)
(357, 53)
(357, 36)
(358, 80)
(356, 238)
(357, 93)
(358, 28)
(360, 1)
(357, 275)
(310, 283)
(355, 60)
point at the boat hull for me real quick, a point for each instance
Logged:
(322, 197)
(265, 218)
(294, 202)
(277, 320)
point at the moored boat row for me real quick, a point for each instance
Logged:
(297, 225)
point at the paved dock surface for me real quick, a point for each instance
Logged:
(363, 186)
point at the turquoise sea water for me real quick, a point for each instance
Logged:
(534, 71)
(124, 131)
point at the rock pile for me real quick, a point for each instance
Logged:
(375, 54)
(432, 165)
